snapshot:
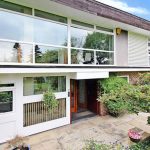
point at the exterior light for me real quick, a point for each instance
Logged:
(118, 31)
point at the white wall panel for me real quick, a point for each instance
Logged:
(137, 50)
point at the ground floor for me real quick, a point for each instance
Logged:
(73, 137)
(22, 110)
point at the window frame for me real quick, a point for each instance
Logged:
(69, 24)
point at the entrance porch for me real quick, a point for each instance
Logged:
(83, 99)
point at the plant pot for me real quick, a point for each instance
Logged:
(113, 114)
(135, 140)
(22, 148)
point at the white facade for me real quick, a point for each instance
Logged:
(14, 72)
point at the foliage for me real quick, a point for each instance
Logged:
(143, 145)
(119, 96)
(113, 83)
(17, 142)
(144, 78)
(5, 96)
(95, 145)
(50, 100)
(99, 41)
(148, 119)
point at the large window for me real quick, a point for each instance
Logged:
(25, 39)
(38, 85)
(90, 46)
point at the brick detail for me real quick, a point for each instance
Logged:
(103, 110)
(133, 76)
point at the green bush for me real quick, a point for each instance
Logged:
(50, 100)
(95, 145)
(119, 96)
(148, 120)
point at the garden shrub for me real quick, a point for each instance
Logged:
(119, 96)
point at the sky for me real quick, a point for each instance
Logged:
(139, 8)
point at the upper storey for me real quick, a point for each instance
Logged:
(37, 36)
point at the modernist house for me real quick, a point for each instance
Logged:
(67, 45)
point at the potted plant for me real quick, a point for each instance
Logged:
(148, 120)
(134, 136)
(18, 143)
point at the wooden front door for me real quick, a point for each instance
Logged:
(73, 96)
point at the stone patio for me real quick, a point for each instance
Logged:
(72, 137)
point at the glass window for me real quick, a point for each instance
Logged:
(104, 29)
(53, 55)
(15, 7)
(104, 58)
(82, 24)
(50, 33)
(15, 52)
(50, 16)
(38, 85)
(16, 27)
(6, 99)
(82, 38)
(82, 57)
(79, 36)
(99, 41)
(7, 85)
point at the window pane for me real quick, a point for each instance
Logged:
(46, 54)
(50, 33)
(82, 24)
(15, 52)
(78, 37)
(6, 99)
(7, 85)
(38, 85)
(104, 29)
(15, 27)
(99, 41)
(50, 16)
(105, 58)
(82, 57)
(15, 7)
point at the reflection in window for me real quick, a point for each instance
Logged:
(38, 85)
(104, 58)
(15, 27)
(22, 28)
(6, 99)
(15, 52)
(99, 41)
(78, 37)
(82, 57)
(50, 33)
(46, 54)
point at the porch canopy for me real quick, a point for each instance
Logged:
(90, 75)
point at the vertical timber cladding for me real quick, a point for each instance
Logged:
(137, 50)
